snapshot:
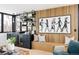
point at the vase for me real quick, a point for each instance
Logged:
(11, 47)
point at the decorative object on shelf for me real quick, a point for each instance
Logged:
(60, 24)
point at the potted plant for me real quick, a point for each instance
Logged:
(11, 43)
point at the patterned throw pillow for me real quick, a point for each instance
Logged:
(36, 38)
(68, 39)
(41, 38)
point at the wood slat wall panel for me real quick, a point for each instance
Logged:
(73, 18)
(51, 36)
(76, 22)
(72, 10)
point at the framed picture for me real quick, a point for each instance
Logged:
(59, 24)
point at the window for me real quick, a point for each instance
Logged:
(23, 28)
(17, 24)
(7, 23)
(0, 22)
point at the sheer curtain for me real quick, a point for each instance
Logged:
(7, 23)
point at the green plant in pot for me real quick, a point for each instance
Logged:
(11, 43)
(12, 40)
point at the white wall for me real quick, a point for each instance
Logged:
(3, 38)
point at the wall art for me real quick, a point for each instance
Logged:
(59, 24)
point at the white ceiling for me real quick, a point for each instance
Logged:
(19, 8)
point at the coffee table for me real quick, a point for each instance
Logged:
(25, 51)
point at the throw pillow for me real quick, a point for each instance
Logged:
(73, 47)
(41, 38)
(68, 39)
(36, 38)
